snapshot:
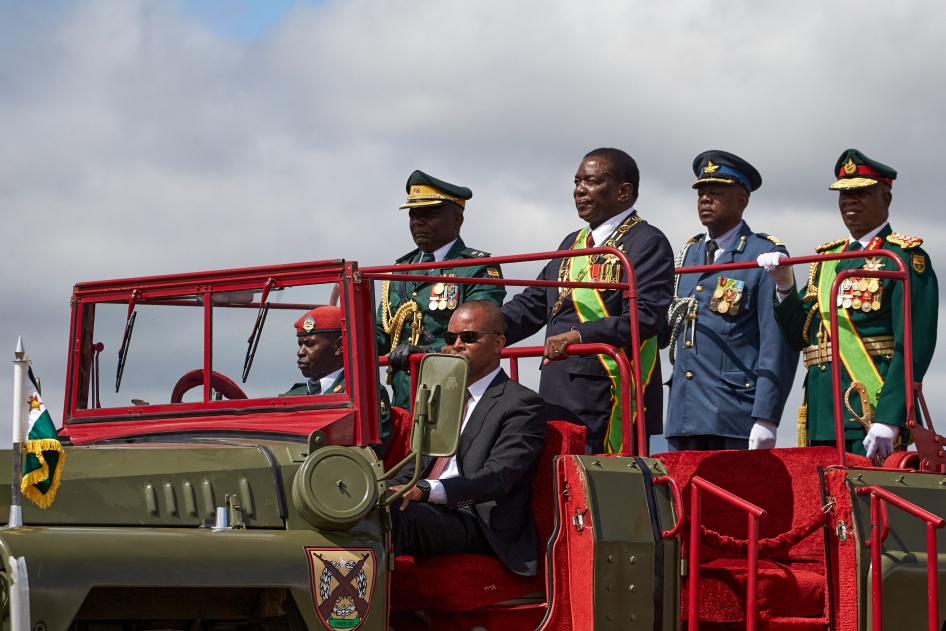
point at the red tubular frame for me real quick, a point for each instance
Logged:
(755, 514)
(624, 370)
(677, 502)
(396, 272)
(878, 494)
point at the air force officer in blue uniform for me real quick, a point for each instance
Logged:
(732, 369)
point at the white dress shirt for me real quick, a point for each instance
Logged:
(437, 493)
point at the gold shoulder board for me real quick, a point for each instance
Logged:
(774, 239)
(831, 245)
(695, 239)
(904, 241)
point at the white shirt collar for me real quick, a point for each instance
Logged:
(439, 253)
(867, 238)
(602, 232)
(724, 241)
(477, 388)
(326, 382)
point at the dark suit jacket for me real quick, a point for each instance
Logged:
(652, 257)
(496, 457)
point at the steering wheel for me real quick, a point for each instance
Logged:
(221, 383)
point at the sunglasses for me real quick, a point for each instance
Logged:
(467, 337)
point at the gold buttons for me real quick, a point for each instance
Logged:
(689, 375)
(748, 385)
(688, 344)
(414, 294)
(699, 287)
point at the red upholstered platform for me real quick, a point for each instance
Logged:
(463, 582)
(793, 581)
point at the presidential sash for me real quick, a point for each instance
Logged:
(589, 306)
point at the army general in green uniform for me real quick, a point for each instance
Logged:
(413, 316)
(870, 317)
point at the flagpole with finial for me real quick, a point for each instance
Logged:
(20, 422)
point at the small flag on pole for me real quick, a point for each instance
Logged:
(44, 458)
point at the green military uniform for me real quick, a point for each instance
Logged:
(303, 388)
(870, 324)
(418, 312)
(429, 304)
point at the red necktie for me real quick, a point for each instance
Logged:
(590, 240)
(441, 463)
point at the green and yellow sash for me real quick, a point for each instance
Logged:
(589, 306)
(854, 356)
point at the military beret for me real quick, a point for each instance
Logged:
(855, 170)
(424, 190)
(319, 320)
(723, 167)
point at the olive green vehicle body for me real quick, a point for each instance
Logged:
(134, 538)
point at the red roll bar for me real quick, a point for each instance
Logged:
(877, 495)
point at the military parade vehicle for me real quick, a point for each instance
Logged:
(196, 492)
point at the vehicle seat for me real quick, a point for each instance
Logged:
(793, 580)
(461, 582)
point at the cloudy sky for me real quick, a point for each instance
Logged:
(143, 137)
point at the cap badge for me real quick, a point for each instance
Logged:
(308, 324)
(849, 167)
(710, 167)
(416, 191)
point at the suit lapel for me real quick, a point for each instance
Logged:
(482, 409)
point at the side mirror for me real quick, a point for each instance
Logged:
(438, 413)
(438, 407)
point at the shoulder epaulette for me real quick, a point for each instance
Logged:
(771, 238)
(905, 242)
(407, 257)
(830, 245)
(476, 254)
(695, 239)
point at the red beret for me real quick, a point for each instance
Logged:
(319, 320)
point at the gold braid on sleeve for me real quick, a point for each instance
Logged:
(811, 293)
(394, 324)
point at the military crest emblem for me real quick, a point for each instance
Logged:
(919, 263)
(849, 167)
(342, 584)
(308, 324)
(710, 167)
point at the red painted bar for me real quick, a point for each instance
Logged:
(878, 525)
(755, 514)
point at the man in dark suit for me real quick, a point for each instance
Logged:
(478, 501)
(587, 389)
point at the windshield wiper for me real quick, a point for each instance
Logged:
(126, 338)
(257, 331)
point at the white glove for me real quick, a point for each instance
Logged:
(782, 275)
(763, 432)
(880, 438)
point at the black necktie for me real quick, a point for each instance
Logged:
(711, 247)
(315, 386)
(427, 258)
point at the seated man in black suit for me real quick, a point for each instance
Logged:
(478, 501)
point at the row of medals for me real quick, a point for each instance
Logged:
(438, 299)
(728, 300)
(860, 293)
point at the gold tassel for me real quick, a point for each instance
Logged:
(803, 425)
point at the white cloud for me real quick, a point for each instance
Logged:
(136, 141)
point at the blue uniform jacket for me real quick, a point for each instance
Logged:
(739, 367)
